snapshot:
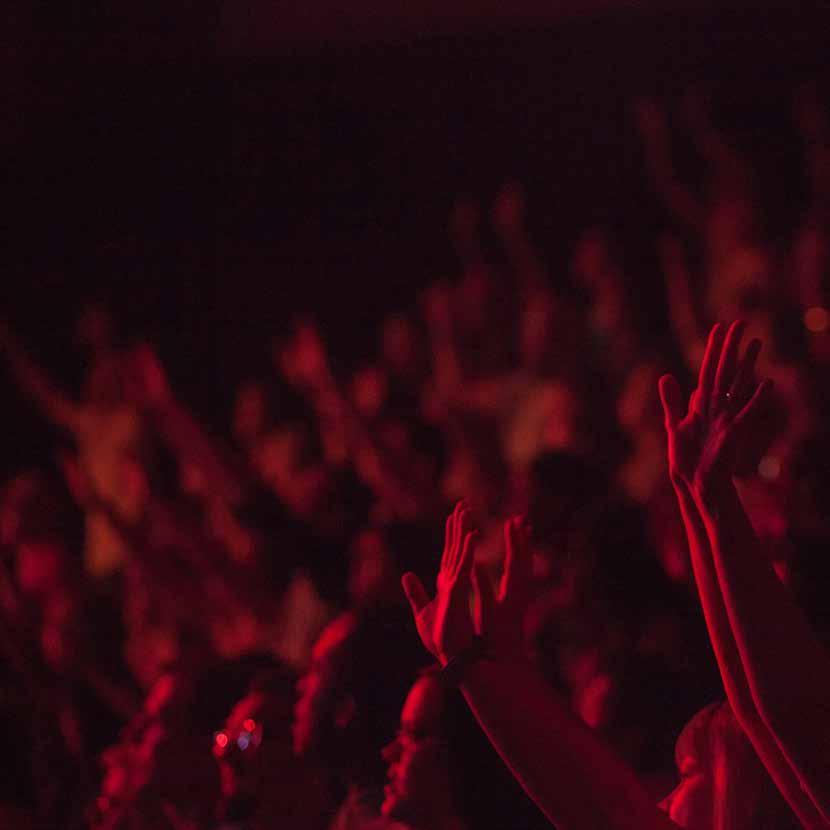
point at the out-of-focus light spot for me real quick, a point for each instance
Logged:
(242, 741)
(817, 319)
(769, 468)
(221, 739)
(249, 725)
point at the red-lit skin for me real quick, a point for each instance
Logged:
(400, 348)
(348, 431)
(372, 574)
(718, 774)
(160, 766)
(690, 803)
(564, 767)
(298, 482)
(776, 675)
(40, 567)
(418, 792)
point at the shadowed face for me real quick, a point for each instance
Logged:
(416, 758)
(690, 803)
(319, 698)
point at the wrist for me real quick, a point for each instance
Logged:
(454, 669)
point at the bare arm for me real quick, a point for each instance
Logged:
(709, 141)
(52, 402)
(683, 444)
(787, 669)
(563, 766)
(179, 429)
(778, 658)
(574, 778)
(677, 198)
(508, 220)
(336, 414)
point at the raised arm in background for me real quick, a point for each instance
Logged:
(787, 669)
(684, 321)
(685, 206)
(709, 141)
(33, 380)
(687, 434)
(573, 777)
(508, 216)
(336, 415)
(814, 128)
(179, 429)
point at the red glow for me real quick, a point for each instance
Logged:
(817, 319)
(221, 740)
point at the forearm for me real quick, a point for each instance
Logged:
(36, 384)
(730, 666)
(675, 196)
(787, 670)
(563, 766)
(191, 443)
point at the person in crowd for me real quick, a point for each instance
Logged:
(443, 774)
(346, 709)
(107, 430)
(775, 671)
(263, 784)
(571, 774)
(527, 384)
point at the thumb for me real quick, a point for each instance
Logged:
(671, 399)
(415, 592)
(483, 588)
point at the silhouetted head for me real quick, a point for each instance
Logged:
(441, 765)
(723, 784)
(350, 695)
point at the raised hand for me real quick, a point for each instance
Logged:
(146, 378)
(444, 622)
(719, 434)
(303, 359)
(501, 615)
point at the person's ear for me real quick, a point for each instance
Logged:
(345, 712)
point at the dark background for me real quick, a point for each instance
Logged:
(208, 177)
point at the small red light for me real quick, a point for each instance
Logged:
(221, 740)
(250, 725)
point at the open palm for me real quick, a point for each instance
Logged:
(444, 622)
(711, 441)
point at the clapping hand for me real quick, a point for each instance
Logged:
(445, 623)
(501, 614)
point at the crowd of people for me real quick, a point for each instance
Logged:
(246, 630)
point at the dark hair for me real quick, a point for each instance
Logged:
(380, 656)
(745, 796)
